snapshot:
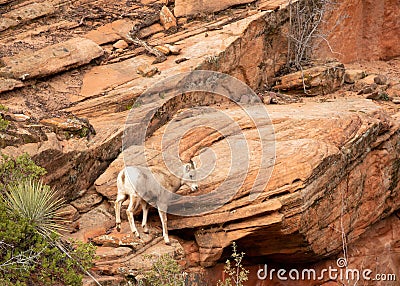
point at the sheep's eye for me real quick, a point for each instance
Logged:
(191, 176)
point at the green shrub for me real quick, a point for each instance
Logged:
(165, 271)
(236, 273)
(3, 124)
(31, 251)
(13, 170)
(29, 258)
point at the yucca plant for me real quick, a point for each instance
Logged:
(36, 203)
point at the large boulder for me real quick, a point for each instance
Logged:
(319, 79)
(51, 59)
(335, 168)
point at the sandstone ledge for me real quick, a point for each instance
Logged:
(322, 150)
(332, 157)
(51, 60)
(24, 14)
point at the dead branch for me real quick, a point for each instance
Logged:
(305, 18)
(21, 260)
(160, 57)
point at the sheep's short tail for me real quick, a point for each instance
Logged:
(121, 180)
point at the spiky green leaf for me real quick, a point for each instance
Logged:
(37, 203)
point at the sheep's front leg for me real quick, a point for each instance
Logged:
(145, 209)
(117, 207)
(130, 211)
(163, 217)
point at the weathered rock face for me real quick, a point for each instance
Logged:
(336, 169)
(336, 173)
(25, 14)
(366, 30)
(105, 92)
(51, 60)
(167, 19)
(376, 250)
(351, 76)
(7, 84)
(192, 7)
(322, 154)
(110, 32)
(320, 79)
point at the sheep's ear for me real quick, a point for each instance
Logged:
(187, 168)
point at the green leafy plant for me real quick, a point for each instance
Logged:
(3, 124)
(236, 273)
(384, 96)
(36, 203)
(31, 250)
(17, 169)
(165, 271)
(84, 132)
(29, 258)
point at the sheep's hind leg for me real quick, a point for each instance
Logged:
(163, 217)
(130, 211)
(117, 207)
(145, 209)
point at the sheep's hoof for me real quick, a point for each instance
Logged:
(145, 230)
(137, 234)
(118, 227)
(167, 242)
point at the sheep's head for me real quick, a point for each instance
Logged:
(189, 177)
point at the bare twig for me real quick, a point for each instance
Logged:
(81, 21)
(63, 250)
(329, 45)
(304, 82)
(21, 260)
(305, 18)
(160, 57)
(30, 257)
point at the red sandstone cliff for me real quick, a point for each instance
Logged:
(362, 30)
(336, 173)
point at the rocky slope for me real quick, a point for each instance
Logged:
(71, 71)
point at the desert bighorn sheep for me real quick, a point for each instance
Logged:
(158, 192)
